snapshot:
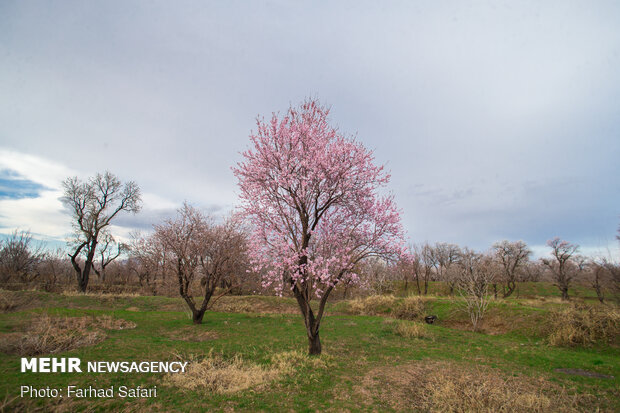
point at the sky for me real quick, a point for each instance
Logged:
(497, 120)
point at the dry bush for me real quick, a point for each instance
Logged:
(410, 329)
(373, 305)
(17, 300)
(215, 374)
(411, 308)
(8, 301)
(450, 387)
(290, 361)
(219, 375)
(109, 323)
(583, 325)
(48, 335)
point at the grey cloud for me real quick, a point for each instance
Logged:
(496, 119)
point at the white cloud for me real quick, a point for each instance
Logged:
(44, 215)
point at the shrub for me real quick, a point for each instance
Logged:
(411, 308)
(410, 329)
(583, 325)
(219, 375)
(47, 335)
(373, 305)
(440, 386)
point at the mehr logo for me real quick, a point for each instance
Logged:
(51, 365)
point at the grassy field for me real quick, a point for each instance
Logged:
(253, 352)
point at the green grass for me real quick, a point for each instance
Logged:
(354, 345)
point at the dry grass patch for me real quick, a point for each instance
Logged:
(373, 305)
(583, 325)
(73, 293)
(190, 333)
(411, 308)
(253, 304)
(408, 308)
(409, 329)
(216, 374)
(110, 323)
(17, 300)
(437, 386)
(48, 335)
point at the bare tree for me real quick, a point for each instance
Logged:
(532, 271)
(513, 257)
(55, 269)
(200, 250)
(148, 259)
(408, 265)
(109, 250)
(376, 276)
(614, 273)
(562, 266)
(428, 261)
(597, 277)
(476, 274)
(445, 256)
(19, 259)
(94, 204)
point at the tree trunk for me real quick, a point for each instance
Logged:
(417, 283)
(599, 293)
(510, 287)
(314, 344)
(564, 293)
(88, 265)
(197, 316)
(84, 276)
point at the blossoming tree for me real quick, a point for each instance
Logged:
(312, 197)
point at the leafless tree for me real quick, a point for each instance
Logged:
(610, 276)
(532, 271)
(597, 276)
(427, 260)
(476, 275)
(409, 266)
(512, 257)
(377, 276)
(562, 266)
(55, 269)
(109, 250)
(148, 259)
(446, 255)
(94, 204)
(200, 250)
(19, 258)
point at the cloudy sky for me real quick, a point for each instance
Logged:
(498, 120)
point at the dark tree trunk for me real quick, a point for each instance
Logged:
(417, 282)
(495, 291)
(599, 293)
(564, 293)
(314, 344)
(311, 321)
(197, 316)
(510, 287)
(84, 274)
